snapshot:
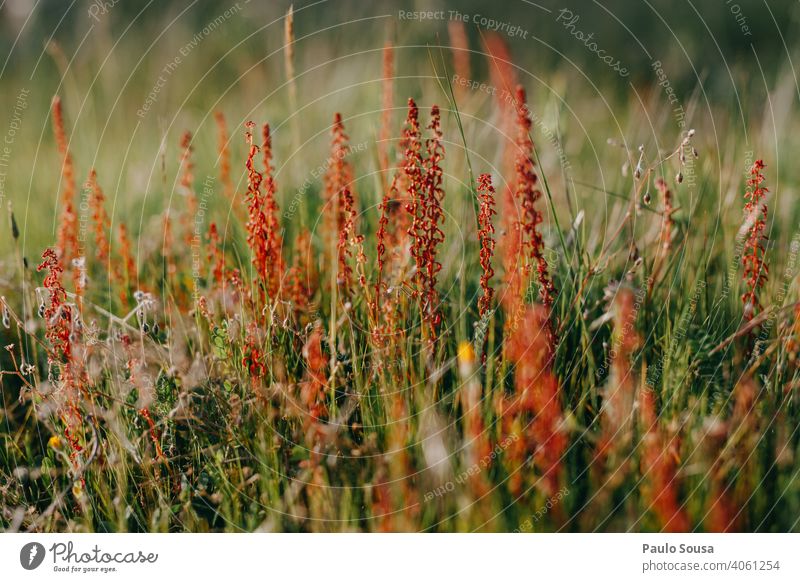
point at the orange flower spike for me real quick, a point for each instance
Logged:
(224, 155)
(528, 195)
(67, 242)
(754, 255)
(271, 225)
(99, 218)
(486, 239)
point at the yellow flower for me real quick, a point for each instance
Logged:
(466, 358)
(54, 441)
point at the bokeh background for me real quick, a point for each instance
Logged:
(725, 62)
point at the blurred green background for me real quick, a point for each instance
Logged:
(723, 60)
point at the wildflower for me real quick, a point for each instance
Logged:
(126, 268)
(528, 195)
(465, 356)
(54, 442)
(380, 236)
(486, 239)
(57, 314)
(432, 208)
(754, 254)
(621, 387)
(99, 218)
(271, 223)
(338, 180)
(68, 225)
(424, 177)
(168, 248)
(303, 275)
(387, 105)
(459, 45)
(252, 360)
(658, 468)
(392, 252)
(224, 155)
(187, 188)
(216, 257)
(312, 390)
(348, 239)
(503, 76)
(152, 431)
(537, 392)
(256, 223)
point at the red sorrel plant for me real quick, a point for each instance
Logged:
(343, 245)
(393, 230)
(486, 239)
(459, 45)
(274, 240)
(313, 390)
(57, 314)
(524, 245)
(216, 258)
(731, 473)
(754, 254)
(67, 243)
(528, 195)
(386, 114)
(424, 178)
(253, 356)
(503, 76)
(168, 251)
(153, 432)
(536, 402)
(350, 241)
(99, 218)
(302, 279)
(338, 180)
(257, 238)
(659, 468)
(224, 155)
(59, 318)
(412, 171)
(187, 188)
(620, 389)
(433, 217)
(380, 237)
(126, 268)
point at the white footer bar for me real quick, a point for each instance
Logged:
(400, 557)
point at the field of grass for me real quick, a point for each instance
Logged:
(409, 287)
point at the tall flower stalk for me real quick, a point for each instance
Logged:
(424, 177)
(528, 194)
(274, 240)
(224, 155)
(67, 243)
(340, 199)
(99, 218)
(754, 255)
(262, 234)
(486, 195)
